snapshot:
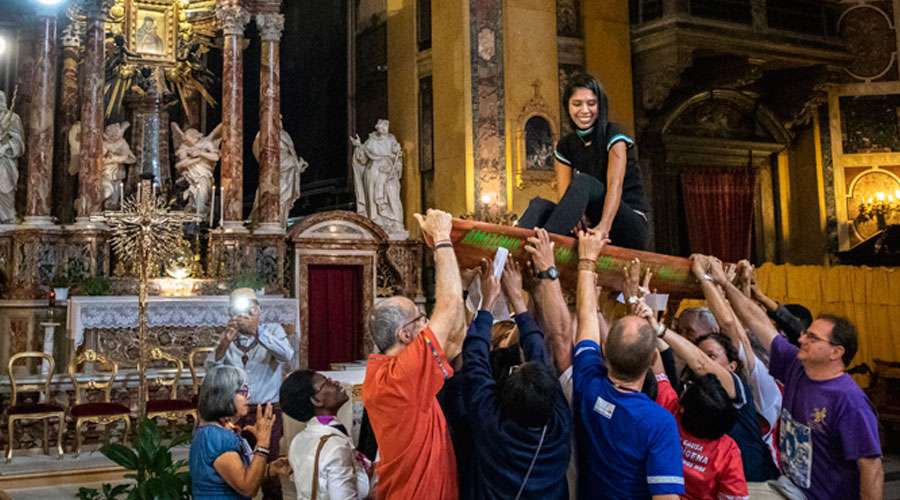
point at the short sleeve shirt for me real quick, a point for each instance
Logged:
(629, 444)
(209, 443)
(712, 468)
(416, 454)
(825, 427)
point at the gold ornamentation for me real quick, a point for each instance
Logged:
(43, 390)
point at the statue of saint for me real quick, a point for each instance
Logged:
(116, 154)
(196, 156)
(291, 167)
(377, 168)
(12, 146)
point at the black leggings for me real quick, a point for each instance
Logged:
(584, 197)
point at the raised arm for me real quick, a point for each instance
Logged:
(590, 243)
(747, 311)
(479, 383)
(448, 316)
(615, 178)
(697, 360)
(531, 338)
(548, 296)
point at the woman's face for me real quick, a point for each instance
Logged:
(717, 353)
(240, 401)
(583, 107)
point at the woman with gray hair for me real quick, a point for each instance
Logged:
(222, 464)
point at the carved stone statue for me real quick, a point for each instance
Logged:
(377, 168)
(292, 166)
(196, 156)
(12, 146)
(116, 154)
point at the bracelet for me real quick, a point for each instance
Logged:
(261, 451)
(661, 330)
(587, 265)
(443, 244)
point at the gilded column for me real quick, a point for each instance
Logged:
(65, 167)
(40, 126)
(90, 195)
(269, 208)
(232, 18)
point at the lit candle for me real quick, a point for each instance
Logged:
(221, 205)
(121, 194)
(154, 191)
(880, 196)
(212, 207)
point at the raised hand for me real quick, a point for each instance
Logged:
(262, 428)
(468, 276)
(511, 282)
(280, 467)
(717, 271)
(436, 225)
(632, 276)
(490, 285)
(699, 265)
(541, 249)
(745, 277)
(590, 244)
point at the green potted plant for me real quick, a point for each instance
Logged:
(94, 285)
(60, 285)
(249, 279)
(151, 466)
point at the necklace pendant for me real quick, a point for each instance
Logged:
(244, 359)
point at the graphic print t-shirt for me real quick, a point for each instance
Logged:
(826, 426)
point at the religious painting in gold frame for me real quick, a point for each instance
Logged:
(152, 30)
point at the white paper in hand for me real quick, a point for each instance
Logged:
(500, 261)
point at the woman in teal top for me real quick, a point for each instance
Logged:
(222, 463)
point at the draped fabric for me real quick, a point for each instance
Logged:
(718, 206)
(335, 315)
(868, 296)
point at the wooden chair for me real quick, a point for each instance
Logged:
(42, 409)
(196, 382)
(103, 412)
(170, 408)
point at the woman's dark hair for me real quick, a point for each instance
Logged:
(708, 412)
(730, 352)
(586, 81)
(295, 395)
(526, 396)
(503, 359)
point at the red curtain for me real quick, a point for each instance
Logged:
(718, 204)
(335, 315)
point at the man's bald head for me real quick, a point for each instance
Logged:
(630, 348)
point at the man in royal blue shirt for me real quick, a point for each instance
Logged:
(630, 446)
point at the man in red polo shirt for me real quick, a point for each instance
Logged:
(416, 454)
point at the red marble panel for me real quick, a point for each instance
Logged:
(40, 126)
(92, 117)
(270, 134)
(233, 127)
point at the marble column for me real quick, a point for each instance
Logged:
(90, 174)
(64, 168)
(40, 126)
(269, 208)
(232, 18)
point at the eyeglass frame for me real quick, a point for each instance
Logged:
(414, 320)
(815, 338)
(243, 390)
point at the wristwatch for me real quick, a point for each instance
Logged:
(550, 274)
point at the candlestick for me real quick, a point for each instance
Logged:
(212, 207)
(221, 205)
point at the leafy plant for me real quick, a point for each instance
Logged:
(156, 475)
(248, 280)
(94, 285)
(61, 280)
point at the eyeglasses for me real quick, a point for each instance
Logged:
(243, 391)
(815, 338)
(414, 321)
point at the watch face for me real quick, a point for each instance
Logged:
(552, 273)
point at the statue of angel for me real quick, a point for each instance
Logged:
(12, 146)
(377, 168)
(116, 154)
(291, 167)
(196, 156)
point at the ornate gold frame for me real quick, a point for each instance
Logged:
(44, 389)
(195, 379)
(535, 107)
(169, 11)
(94, 384)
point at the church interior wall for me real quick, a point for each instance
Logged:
(607, 53)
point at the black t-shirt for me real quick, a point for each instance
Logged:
(589, 158)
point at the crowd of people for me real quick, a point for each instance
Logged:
(742, 400)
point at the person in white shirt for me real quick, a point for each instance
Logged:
(260, 349)
(326, 465)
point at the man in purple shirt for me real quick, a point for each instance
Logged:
(829, 433)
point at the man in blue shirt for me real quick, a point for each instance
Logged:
(630, 446)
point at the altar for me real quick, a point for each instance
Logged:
(176, 324)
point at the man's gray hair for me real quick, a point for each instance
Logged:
(704, 314)
(216, 399)
(384, 321)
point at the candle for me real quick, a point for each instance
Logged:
(121, 194)
(212, 207)
(221, 205)
(154, 191)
